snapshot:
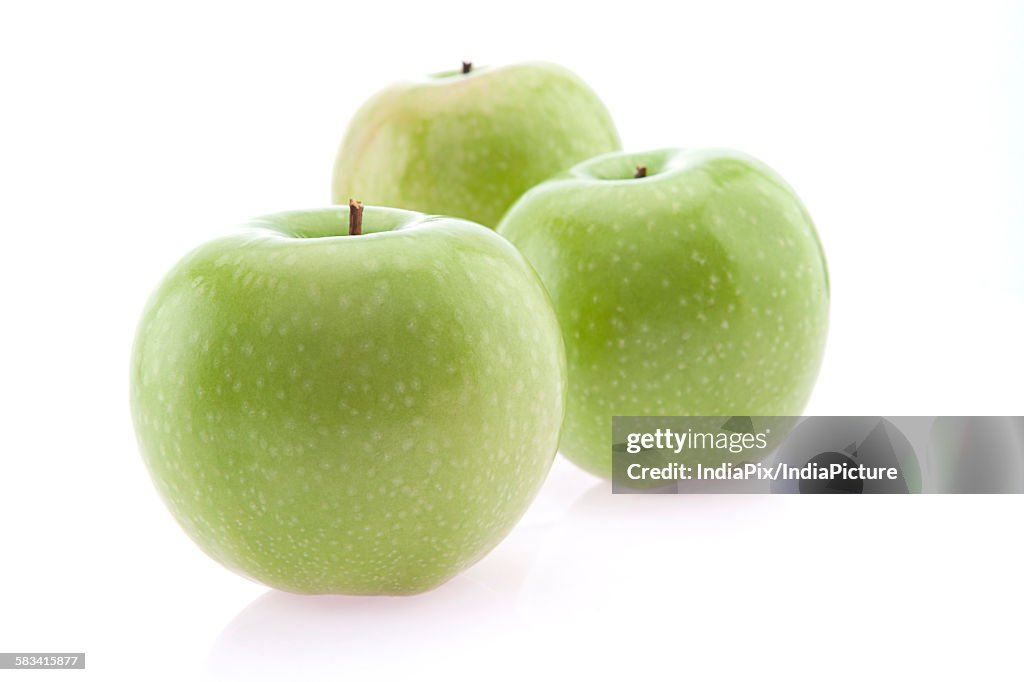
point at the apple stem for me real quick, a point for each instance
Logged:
(355, 217)
(467, 67)
(641, 172)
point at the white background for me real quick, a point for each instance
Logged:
(131, 132)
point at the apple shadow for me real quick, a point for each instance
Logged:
(616, 553)
(599, 502)
(476, 616)
(288, 636)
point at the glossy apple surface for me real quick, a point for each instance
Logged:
(469, 144)
(700, 289)
(349, 414)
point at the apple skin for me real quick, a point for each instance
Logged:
(700, 289)
(469, 145)
(349, 414)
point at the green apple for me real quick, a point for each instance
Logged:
(468, 143)
(359, 414)
(686, 283)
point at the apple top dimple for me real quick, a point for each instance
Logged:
(333, 222)
(623, 167)
(467, 70)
